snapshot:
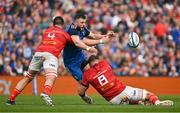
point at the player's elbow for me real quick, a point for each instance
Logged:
(85, 41)
(77, 43)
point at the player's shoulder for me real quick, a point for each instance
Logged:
(88, 71)
(104, 62)
(51, 29)
(71, 29)
(48, 29)
(72, 26)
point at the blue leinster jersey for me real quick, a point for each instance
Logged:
(71, 52)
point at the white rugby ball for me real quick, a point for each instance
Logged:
(133, 39)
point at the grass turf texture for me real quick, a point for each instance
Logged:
(75, 104)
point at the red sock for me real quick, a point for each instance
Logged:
(14, 94)
(153, 98)
(47, 89)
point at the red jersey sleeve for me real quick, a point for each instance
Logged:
(68, 37)
(84, 79)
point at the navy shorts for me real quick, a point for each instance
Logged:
(76, 68)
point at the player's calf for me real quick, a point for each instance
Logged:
(152, 98)
(19, 87)
(51, 76)
(50, 79)
(148, 96)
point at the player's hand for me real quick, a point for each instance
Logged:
(110, 34)
(93, 50)
(87, 99)
(105, 39)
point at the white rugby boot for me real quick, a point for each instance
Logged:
(47, 99)
(164, 103)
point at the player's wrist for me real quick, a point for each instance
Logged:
(101, 41)
(88, 48)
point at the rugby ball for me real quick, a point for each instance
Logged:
(133, 39)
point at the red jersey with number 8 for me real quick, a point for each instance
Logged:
(102, 78)
(53, 40)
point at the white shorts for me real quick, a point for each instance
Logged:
(128, 94)
(45, 60)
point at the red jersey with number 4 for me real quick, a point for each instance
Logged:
(53, 41)
(102, 78)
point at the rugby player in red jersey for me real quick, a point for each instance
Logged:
(46, 55)
(102, 78)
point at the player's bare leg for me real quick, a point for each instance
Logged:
(152, 98)
(51, 76)
(20, 86)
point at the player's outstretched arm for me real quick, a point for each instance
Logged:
(104, 39)
(93, 42)
(95, 36)
(99, 36)
(79, 43)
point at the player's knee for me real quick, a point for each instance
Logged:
(50, 80)
(50, 77)
(145, 94)
(51, 73)
(30, 75)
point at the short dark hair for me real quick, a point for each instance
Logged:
(79, 15)
(92, 58)
(58, 20)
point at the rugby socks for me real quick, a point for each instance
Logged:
(153, 98)
(47, 89)
(14, 94)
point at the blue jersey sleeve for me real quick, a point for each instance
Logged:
(71, 30)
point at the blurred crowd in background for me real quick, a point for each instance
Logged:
(157, 22)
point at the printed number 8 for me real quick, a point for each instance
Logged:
(102, 80)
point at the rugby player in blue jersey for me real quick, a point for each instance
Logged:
(73, 56)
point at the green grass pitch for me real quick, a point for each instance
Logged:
(75, 104)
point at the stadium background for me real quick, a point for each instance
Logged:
(156, 21)
(154, 65)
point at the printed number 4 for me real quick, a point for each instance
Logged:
(102, 80)
(51, 35)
